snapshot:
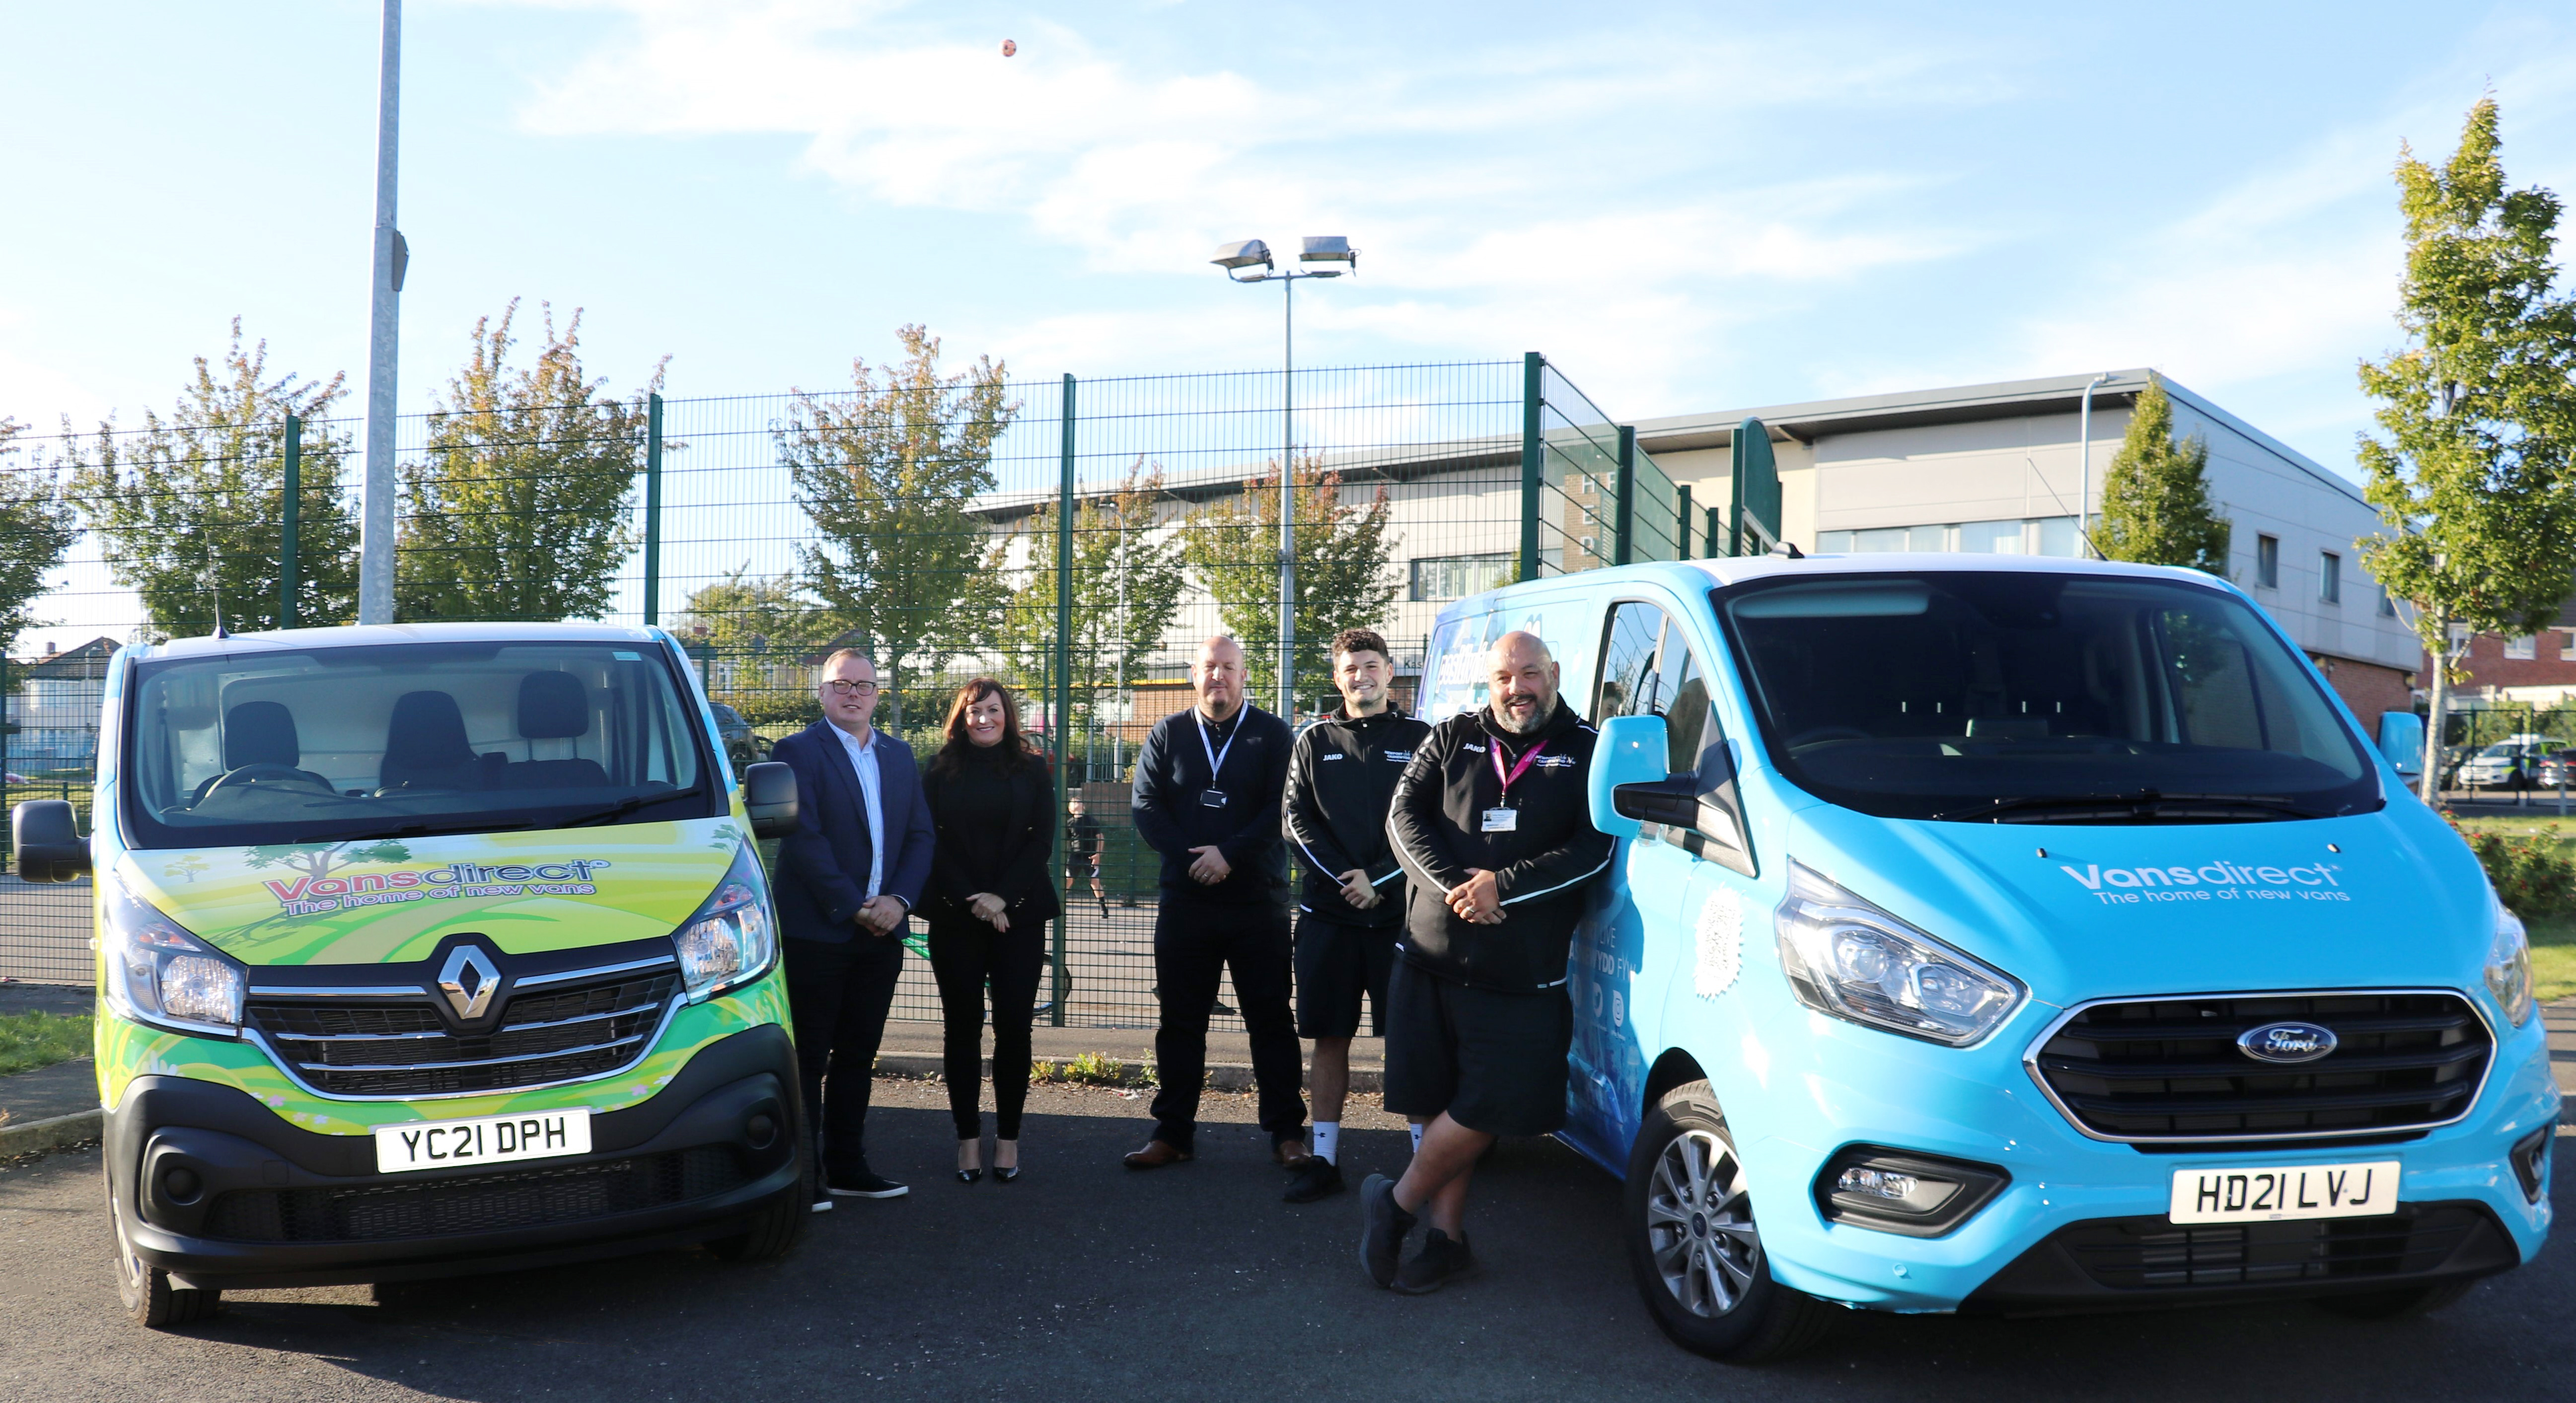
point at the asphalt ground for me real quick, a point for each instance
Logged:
(1087, 1281)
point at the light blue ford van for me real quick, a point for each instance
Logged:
(2002, 934)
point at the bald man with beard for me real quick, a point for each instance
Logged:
(1492, 827)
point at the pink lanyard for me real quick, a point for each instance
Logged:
(1518, 768)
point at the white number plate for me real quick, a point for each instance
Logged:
(448, 1144)
(2223, 1195)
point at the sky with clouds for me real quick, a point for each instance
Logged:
(1688, 207)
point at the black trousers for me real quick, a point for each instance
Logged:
(965, 956)
(1195, 942)
(838, 995)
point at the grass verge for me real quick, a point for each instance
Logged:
(2553, 956)
(32, 1040)
(1094, 1069)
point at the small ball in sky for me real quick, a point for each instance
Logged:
(1009, 47)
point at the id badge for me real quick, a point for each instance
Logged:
(1502, 820)
(1211, 798)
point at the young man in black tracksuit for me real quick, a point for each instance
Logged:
(1207, 794)
(1340, 779)
(1491, 824)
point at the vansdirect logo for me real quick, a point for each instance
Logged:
(311, 896)
(2210, 881)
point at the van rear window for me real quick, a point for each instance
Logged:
(2044, 697)
(409, 739)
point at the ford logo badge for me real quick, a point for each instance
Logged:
(2286, 1042)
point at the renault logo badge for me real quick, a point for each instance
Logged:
(469, 980)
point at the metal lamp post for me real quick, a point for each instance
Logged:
(1324, 256)
(376, 524)
(2084, 478)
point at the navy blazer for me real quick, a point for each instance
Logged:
(822, 878)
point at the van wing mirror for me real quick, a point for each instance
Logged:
(769, 796)
(1630, 753)
(47, 840)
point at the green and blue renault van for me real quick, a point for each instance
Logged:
(2001, 934)
(426, 950)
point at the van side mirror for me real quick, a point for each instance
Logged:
(769, 796)
(1629, 754)
(48, 843)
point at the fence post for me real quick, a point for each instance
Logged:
(1681, 523)
(1533, 458)
(1714, 518)
(1624, 514)
(294, 507)
(1063, 662)
(653, 509)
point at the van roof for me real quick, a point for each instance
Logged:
(359, 635)
(1739, 569)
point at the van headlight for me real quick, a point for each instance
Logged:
(161, 975)
(2509, 967)
(730, 940)
(1848, 958)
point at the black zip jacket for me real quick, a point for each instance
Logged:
(1172, 816)
(1341, 779)
(1542, 866)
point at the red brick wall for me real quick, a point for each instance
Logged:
(2489, 667)
(2368, 688)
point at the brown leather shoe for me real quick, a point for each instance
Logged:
(1155, 1155)
(1290, 1153)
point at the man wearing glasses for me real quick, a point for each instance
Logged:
(847, 880)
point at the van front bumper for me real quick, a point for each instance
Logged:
(2082, 1225)
(274, 1205)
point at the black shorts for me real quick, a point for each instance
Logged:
(1495, 1062)
(1336, 963)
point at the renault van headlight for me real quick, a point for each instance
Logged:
(1848, 958)
(2509, 967)
(731, 939)
(159, 974)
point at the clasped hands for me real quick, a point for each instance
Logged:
(1477, 900)
(880, 915)
(990, 909)
(1210, 867)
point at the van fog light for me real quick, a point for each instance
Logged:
(2530, 1158)
(1900, 1192)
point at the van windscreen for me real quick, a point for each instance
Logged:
(409, 739)
(2039, 697)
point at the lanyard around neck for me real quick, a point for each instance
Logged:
(1519, 768)
(1215, 756)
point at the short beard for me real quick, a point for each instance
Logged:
(1538, 719)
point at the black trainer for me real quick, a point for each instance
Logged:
(1442, 1260)
(1313, 1178)
(863, 1183)
(1383, 1228)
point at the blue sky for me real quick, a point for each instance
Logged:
(1688, 207)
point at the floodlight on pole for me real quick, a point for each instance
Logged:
(1320, 256)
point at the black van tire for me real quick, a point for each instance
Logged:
(2399, 1304)
(1735, 1311)
(145, 1290)
(776, 1226)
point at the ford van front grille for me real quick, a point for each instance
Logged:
(2178, 1070)
(391, 1045)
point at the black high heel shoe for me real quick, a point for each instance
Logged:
(968, 1176)
(1004, 1176)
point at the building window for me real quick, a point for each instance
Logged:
(2267, 561)
(2387, 603)
(2567, 646)
(2522, 647)
(2329, 577)
(2459, 640)
(1441, 578)
(2048, 535)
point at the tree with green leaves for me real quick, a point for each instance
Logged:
(190, 509)
(1344, 580)
(2155, 500)
(520, 508)
(758, 614)
(1127, 584)
(36, 527)
(2471, 470)
(888, 473)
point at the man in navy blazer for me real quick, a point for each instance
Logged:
(847, 881)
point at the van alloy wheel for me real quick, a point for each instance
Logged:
(1693, 1245)
(1700, 1222)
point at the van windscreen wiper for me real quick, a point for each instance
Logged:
(2143, 803)
(625, 806)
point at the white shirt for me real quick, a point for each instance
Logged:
(863, 758)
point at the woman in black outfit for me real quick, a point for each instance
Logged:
(992, 802)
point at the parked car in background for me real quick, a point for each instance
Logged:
(742, 745)
(2555, 768)
(2505, 764)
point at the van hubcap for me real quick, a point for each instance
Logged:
(1699, 1224)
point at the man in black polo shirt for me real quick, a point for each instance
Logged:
(1340, 779)
(1207, 791)
(1497, 842)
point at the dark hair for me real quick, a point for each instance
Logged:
(1014, 747)
(1361, 640)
